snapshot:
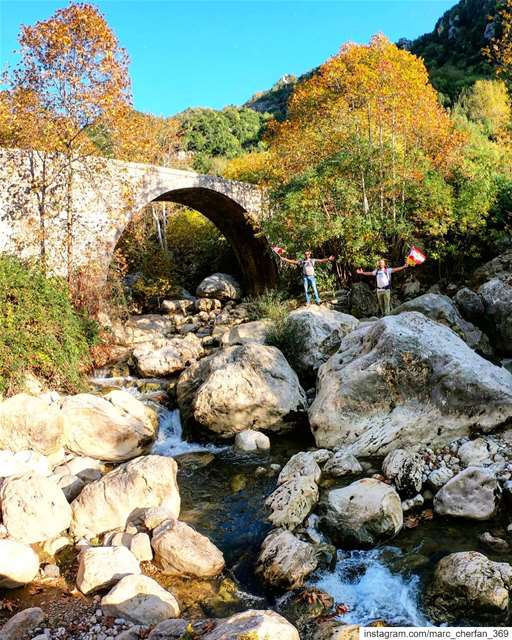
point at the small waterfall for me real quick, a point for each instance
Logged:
(170, 436)
(372, 591)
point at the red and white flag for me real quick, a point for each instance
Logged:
(278, 250)
(416, 256)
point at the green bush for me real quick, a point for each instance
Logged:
(271, 304)
(289, 338)
(40, 332)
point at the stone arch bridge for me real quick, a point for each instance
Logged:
(106, 195)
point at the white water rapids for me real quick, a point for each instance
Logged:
(371, 591)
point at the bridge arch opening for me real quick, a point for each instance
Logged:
(239, 227)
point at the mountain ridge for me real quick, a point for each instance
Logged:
(452, 53)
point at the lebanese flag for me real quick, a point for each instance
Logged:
(278, 250)
(416, 256)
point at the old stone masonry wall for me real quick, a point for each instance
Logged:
(105, 195)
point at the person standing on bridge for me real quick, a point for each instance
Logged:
(308, 272)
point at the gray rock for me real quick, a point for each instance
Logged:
(472, 494)
(165, 357)
(141, 600)
(247, 333)
(100, 568)
(342, 464)
(28, 422)
(500, 267)
(497, 297)
(114, 428)
(21, 624)
(300, 464)
(363, 300)
(182, 551)
(254, 624)
(441, 309)
(363, 513)
(405, 468)
(439, 477)
(284, 560)
(169, 630)
(34, 508)
(70, 485)
(323, 330)
(107, 504)
(178, 306)
(220, 286)
(20, 462)
(292, 502)
(476, 452)
(468, 584)
(241, 387)
(470, 305)
(19, 564)
(250, 440)
(404, 381)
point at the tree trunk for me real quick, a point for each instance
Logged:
(69, 223)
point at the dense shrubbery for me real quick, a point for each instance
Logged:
(40, 332)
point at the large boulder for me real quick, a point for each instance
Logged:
(113, 428)
(441, 309)
(285, 561)
(141, 600)
(165, 357)
(143, 329)
(220, 286)
(19, 564)
(34, 508)
(292, 501)
(21, 462)
(402, 381)
(182, 551)
(470, 304)
(472, 494)
(323, 330)
(100, 568)
(243, 387)
(21, 624)
(363, 300)
(467, 586)
(29, 422)
(497, 297)
(365, 512)
(254, 624)
(500, 267)
(246, 333)
(109, 503)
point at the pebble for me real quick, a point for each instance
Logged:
(51, 571)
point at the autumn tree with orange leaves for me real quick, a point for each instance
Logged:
(70, 83)
(363, 160)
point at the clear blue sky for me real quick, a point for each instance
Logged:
(209, 53)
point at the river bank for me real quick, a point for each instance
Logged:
(395, 464)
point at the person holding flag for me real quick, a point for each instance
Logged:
(383, 277)
(308, 271)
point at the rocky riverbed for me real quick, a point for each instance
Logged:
(199, 490)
